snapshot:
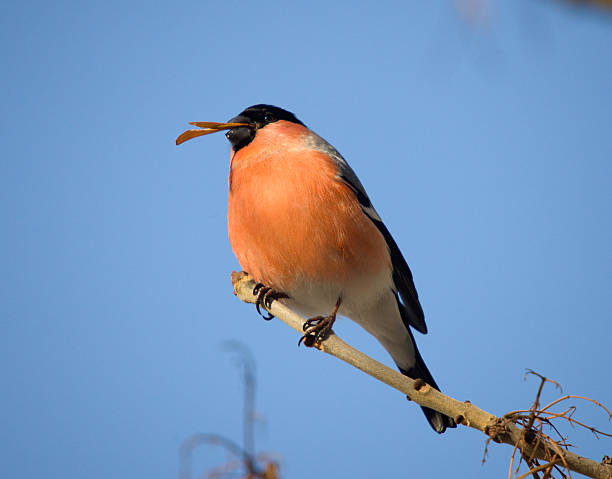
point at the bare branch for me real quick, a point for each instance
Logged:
(499, 429)
(243, 462)
(247, 364)
(192, 442)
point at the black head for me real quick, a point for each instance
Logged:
(257, 116)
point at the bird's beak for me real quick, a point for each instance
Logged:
(208, 127)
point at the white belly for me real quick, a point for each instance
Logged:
(370, 302)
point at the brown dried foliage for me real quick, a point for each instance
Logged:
(533, 423)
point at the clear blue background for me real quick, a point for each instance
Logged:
(483, 136)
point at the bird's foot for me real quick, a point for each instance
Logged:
(317, 329)
(265, 296)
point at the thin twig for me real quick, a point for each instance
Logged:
(247, 363)
(571, 396)
(541, 467)
(189, 444)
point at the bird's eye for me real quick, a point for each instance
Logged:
(269, 117)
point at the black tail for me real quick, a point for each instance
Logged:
(438, 421)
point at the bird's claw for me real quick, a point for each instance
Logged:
(265, 296)
(316, 329)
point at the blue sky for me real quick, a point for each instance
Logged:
(484, 143)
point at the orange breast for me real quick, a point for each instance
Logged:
(291, 220)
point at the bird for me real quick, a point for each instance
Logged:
(303, 227)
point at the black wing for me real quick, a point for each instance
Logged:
(409, 306)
